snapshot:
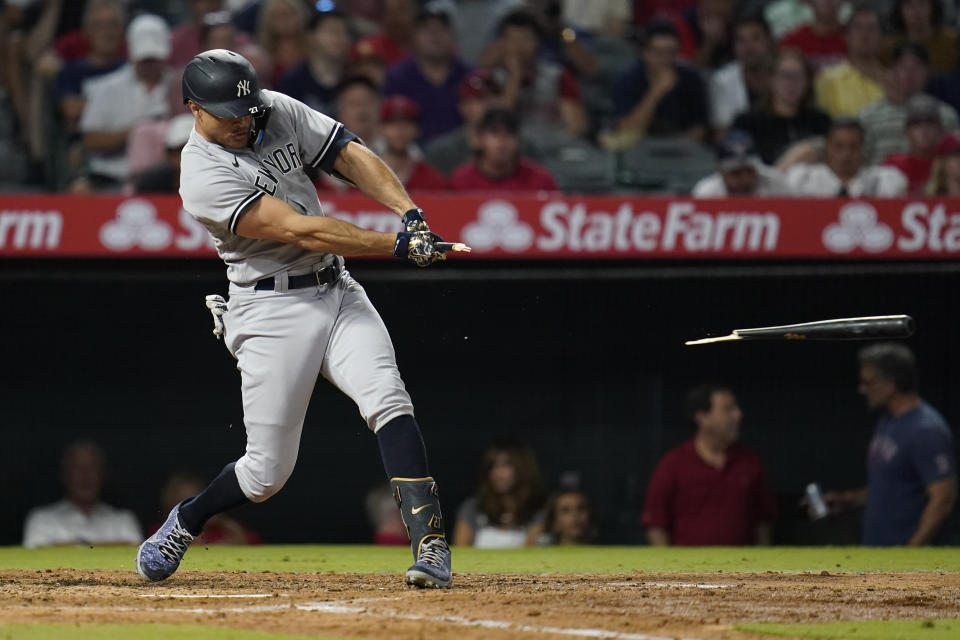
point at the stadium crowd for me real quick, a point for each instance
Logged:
(749, 97)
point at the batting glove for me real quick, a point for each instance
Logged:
(419, 247)
(413, 220)
(217, 306)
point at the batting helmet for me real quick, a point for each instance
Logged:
(224, 83)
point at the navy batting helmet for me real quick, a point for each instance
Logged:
(224, 83)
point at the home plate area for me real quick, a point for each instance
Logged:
(634, 606)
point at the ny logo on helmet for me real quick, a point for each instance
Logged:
(243, 88)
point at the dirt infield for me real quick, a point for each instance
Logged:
(634, 606)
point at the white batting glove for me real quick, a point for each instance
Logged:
(217, 306)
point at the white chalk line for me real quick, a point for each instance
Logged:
(212, 595)
(351, 607)
(674, 585)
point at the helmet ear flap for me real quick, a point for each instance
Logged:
(259, 125)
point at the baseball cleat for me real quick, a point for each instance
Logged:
(160, 554)
(432, 568)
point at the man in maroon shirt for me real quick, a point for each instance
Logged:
(498, 165)
(924, 130)
(710, 490)
(822, 41)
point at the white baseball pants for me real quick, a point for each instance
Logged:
(281, 341)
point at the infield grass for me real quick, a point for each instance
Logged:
(948, 629)
(136, 632)
(535, 560)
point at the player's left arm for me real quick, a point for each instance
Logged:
(373, 177)
(941, 497)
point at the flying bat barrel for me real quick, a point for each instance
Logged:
(868, 328)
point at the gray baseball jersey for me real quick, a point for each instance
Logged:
(218, 185)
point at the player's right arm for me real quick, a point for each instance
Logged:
(272, 219)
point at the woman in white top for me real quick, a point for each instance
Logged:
(508, 502)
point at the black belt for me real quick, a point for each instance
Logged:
(320, 277)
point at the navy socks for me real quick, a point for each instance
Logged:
(402, 449)
(220, 495)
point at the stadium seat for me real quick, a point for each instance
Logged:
(664, 165)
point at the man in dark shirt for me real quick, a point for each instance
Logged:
(911, 462)
(710, 490)
(659, 95)
(314, 81)
(432, 76)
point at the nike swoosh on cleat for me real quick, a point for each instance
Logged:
(418, 509)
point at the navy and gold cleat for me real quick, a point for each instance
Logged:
(432, 568)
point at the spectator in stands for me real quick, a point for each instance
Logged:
(431, 77)
(884, 119)
(498, 165)
(508, 502)
(81, 517)
(911, 462)
(920, 22)
(822, 40)
(400, 126)
(645, 10)
(740, 172)
(845, 88)
(924, 132)
(786, 115)
(136, 92)
(704, 30)
(164, 177)
(385, 517)
(845, 174)
(185, 38)
(358, 105)
(282, 33)
(358, 108)
(710, 490)
(103, 23)
(569, 520)
(946, 87)
(945, 174)
(478, 92)
(220, 529)
(314, 81)
(604, 18)
(739, 85)
(396, 41)
(659, 95)
(545, 96)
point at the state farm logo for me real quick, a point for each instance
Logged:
(858, 227)
(498, 225)
(136, 225)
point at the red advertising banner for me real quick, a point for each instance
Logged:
(528, 226)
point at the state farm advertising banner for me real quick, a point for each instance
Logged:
(509, 226)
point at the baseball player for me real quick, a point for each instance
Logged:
(294, 312)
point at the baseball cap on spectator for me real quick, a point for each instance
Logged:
(736, 151)
(499, 119)
(178, 131)
(923, 108)
(148, 37)
(399, 108)
(949, 145)
(478, 83)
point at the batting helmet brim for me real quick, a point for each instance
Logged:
(238, 108)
